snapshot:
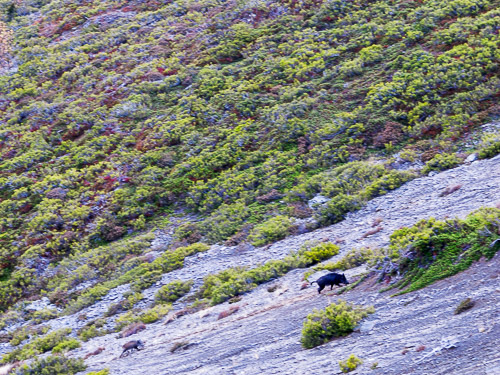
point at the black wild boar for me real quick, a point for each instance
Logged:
(330, 279)
(128, 347)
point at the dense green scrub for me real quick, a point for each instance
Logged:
(432, 250)
(116, 113)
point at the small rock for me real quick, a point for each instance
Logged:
(39, 305)
(471, 158)
(366, 327)
(318, 200)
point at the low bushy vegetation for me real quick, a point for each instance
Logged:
(101, 372)
(336, 320)
(57, 365)
(432, 250)
(56, 342)
(235, 281)
(92, 329)
(145, 316)
(140, 277)
(173, 291)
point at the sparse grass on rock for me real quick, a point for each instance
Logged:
(350, 364)
(464, 305)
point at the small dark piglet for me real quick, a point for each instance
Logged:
(130, 346)
(330, 279)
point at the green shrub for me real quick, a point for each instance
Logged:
(20, 335)
(66, 345)
(173, 291)
(145, 316)
(337, 319)
(41, 345)
(320, 252)
(44, 315)
(350, 363)
(155, 313)
(490, 150)
(143, 276)
(56, 365)
(432, 250)
(130, 300)
(440, 162)
(271, 230)
(92, 329)
(355, 258)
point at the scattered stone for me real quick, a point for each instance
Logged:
(57, 193)
(366, 327)
(471, 158)
(317, 201)
(41, 304)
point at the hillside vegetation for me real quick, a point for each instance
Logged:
(114, 115)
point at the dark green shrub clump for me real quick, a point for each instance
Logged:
(338, 319)
(173, 291)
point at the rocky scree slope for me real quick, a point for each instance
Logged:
(263, 336)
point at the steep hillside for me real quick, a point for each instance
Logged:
(259, 332)
(115, 114)
(143, 142)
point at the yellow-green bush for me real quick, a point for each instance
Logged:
(432, 250)
(271, 230)
(172, 291)
(337, 319)
(350, 364)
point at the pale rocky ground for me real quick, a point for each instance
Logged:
(263, 336)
